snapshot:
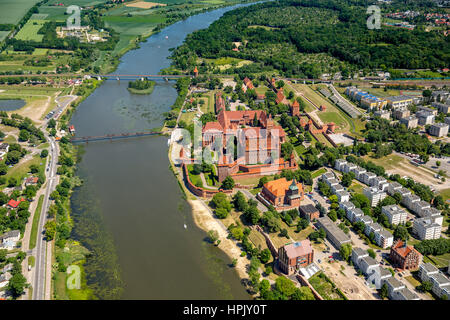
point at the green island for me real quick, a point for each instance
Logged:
(143, 86)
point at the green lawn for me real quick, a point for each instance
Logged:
(441, 261)
(318, 172)
(35, 225)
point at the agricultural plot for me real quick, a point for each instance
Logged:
(3, 35)
(30, 31)
(53, 13)
(11, 11)
(136, 25)
(80, 3)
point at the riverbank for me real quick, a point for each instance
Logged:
(205, 220)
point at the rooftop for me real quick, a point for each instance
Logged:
(308, 208)
(298, 249)
(278, 187)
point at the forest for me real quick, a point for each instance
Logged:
(279, 33)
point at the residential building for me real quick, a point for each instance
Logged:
(4, 279)
(328, 176)
(380, 183)
(426, 109)
(384, 238)
(393, 188)
(447, 120)
(343, 195)
(404, 294)
(309, 211)
(334, 234)
(394, 213)
(293, 256)
(385, 114)
(348, 167)
(399, 101)
(346, 205)
(405, 257)
(339, 164)
(367, 177)
(13, 204)
(393, 285)
(433, 214)
(401, 113)
(353, 214)
(425, 117)
(442, 107)
(403, 192)
(358, 254)
(358, 171)
(419, 206)
(440, 95)
(332, 182)
(410, 122)
(283, 194)
(441, 284)
(426, 229)
(364, 219)
(374, 195)
(337, 187)
(368, 265)
(409, 199)
(439, 129)
(372, 228)
(9, 239)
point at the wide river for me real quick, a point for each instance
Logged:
(130, 211)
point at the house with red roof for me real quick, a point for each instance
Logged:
(13, 204)
(293, 256)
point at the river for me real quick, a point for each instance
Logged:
(130, 210)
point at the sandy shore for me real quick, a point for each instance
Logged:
(204, 220)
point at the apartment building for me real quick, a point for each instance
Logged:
(374, 195)
(439, 129)
(394, 214)
(426, 229)
(410, 122)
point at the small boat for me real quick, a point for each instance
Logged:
(167, 37)
(185, 226)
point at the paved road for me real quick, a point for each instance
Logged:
(39, 290)
(248, 194)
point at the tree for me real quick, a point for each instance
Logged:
(347, 179)
(239, 201)
(252, 214)
(303, 293)
(221, 213)
(371, 253)
(3, 169)
(285, 287)
(213, 236)
(44, 153)
(3, 253)
(332, 215)
(17, 285)
(384, 291)
(50, 230)
(24, 135)
(345, 251)
(426, 286)
(284, 233)
(228, 183)
(263, 181)
(220, 200)
(265, 255)
(3, 198)
(401, 233)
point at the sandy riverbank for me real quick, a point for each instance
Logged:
(205, 221)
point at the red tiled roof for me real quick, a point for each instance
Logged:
(212, 126)
(280, 186)
(13, 203)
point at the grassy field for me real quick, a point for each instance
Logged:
(441, 261)
(324, 287)
(34, 227)
(3, 35)
(30, 31)
(20, 170)
(11, 11)
(318, 172)
(445, 194)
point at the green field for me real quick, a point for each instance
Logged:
(30, 31)
(325, 288)
(35, 225)
(11, 11)
(136, 25)
(3, 35)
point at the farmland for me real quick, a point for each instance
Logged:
(11, 11)
(30, 31)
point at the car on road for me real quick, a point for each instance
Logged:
(320, 261)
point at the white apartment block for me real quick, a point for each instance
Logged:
(393, 188)
(367, 177)
(439, 129)
(426, 229)
(409, 200)
(384, 238)
(394, 213)
(374, 195)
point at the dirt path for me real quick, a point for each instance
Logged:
(419, 175)
(203, 219)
